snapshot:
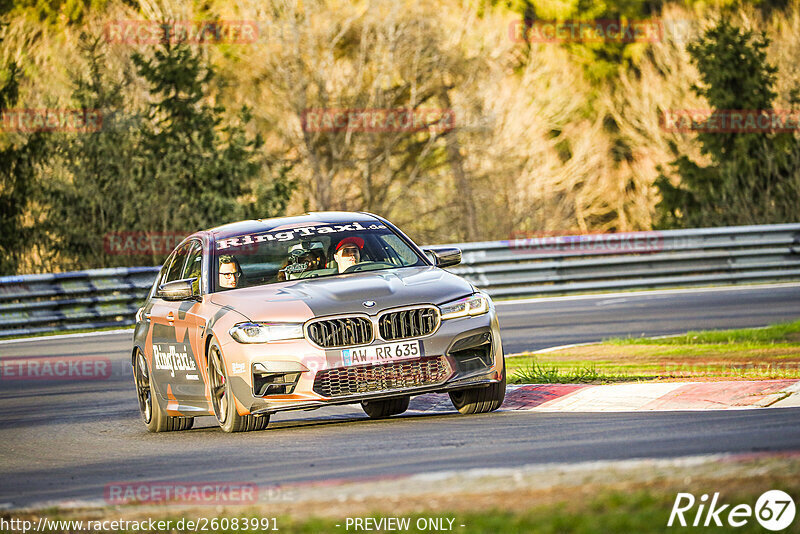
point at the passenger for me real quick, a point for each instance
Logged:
(230, 272)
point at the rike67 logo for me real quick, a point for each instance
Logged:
(774, 510)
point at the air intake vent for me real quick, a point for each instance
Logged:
(406, 324)
(340, 332)
(344, 381)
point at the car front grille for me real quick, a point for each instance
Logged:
(344, 381)
(340, 332)
(406, 324)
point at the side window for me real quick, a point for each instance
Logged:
(162, 276)
(175, 269)
(194, 264)
(397, 251)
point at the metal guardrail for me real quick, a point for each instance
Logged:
(36, 303)
(526, 266)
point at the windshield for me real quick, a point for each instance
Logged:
(308, 251)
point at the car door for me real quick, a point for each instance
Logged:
(176, 355)
(190, 325)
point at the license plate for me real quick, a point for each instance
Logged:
(382, 353)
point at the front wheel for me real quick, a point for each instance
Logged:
(380, 409)
(152, 414)
(222, 397)
(480, 400)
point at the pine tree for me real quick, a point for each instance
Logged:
(752, 177)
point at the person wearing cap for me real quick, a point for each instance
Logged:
(348, 252)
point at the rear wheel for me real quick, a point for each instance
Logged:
(152, 414)
(222, 397)
(380, 409)
(480, 400)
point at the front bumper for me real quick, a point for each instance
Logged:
(470, 350)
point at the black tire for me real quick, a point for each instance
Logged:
(222, 397)
(380, 409)
(152, 414)
(480, 400)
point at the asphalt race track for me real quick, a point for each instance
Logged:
(64, 440)
(529, 325)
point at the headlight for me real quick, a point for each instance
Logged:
(475, 304)
(266, 332)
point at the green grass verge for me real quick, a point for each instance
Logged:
(532, 370)
(752, 353)
(535, 372)
(781, 333)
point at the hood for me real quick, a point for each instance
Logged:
(301, 300)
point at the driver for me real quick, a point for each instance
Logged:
(348, 252)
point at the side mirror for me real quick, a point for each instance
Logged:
(444, 256)
(177, 290)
